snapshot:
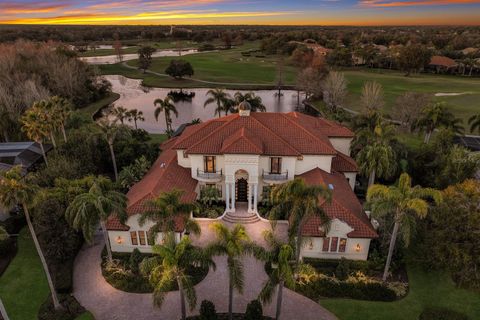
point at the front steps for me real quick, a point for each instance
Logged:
(244, 218)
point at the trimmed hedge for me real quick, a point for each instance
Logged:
(329, 266)
(436, 313)
(333, 288)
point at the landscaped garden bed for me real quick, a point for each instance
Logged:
(124, 273)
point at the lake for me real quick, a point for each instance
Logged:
(135, 96)
(132, 56)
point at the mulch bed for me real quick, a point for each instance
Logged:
(8, 257)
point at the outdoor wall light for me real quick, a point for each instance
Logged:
(119, 240)
(357, 248)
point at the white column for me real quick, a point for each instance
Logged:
(249, 197)
(227, 196)
(233, 196)
(255, 196)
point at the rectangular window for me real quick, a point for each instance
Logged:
(333, 245)
(133, 238)
(150, 239)
(141, 235)
(276, 165)
(343, 245)
(326, 244)
(210, 164)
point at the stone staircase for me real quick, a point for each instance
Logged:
(241, 215)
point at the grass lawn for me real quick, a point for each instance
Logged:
(158, 138)
(85, 316)
(395, 83)
(92, 108)
(227, 66)
(427, 288)
(23, 286)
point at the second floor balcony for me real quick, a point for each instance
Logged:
(209, 176)
(273, 176)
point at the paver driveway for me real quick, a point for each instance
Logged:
(108, 303)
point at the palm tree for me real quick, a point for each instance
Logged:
(404, 203)
(169, 266)
(166, 106)
(255, 101)
(377, 157)
(298, 202)
(135, 115)
(219, 97)
(16, 190)
(234, 244)
(432, 117)
(120, 113)
(282, 274)
(35, 127)
(95, 206)
(61, 110)
(110, 131)
(474, 123)
(165, 209)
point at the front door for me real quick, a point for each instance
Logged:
(241, 190)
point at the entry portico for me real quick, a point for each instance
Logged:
(241, 181)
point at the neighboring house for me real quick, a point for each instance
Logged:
(441, 64)
(244, 155)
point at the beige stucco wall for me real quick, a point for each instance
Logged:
(341, 144)
(182, 161)
(312, 246)
(311, 162)
(351, 176)
(126, 243)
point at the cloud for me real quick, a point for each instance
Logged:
(32, 7)
(410, 3)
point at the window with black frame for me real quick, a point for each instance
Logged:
(210, 165)
(276, 165)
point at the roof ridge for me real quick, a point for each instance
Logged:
(277, 136)
(244, 137)
(308, 132)
(211, 133)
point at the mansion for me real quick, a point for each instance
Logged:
(243, 155)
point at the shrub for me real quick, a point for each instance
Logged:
(179, 68)
(436, 313)
(206, 47)
(254, 310)
(134, 260)
(343, 269)
(207, 311)
(71, 309)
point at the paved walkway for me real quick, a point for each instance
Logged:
(108, 303)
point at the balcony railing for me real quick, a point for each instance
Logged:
(275, 176)
(209, 175)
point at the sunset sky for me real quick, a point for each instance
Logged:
(291, 12)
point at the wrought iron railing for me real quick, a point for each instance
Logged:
(209, 175)
(275, 176)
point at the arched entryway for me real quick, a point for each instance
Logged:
(241, 186)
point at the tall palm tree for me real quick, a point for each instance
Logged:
(282, 274)
(377, 157)
(14, 190)
(234, 244)
(220, 97)
(34, 126)
(110, 131)
(120, 113)
(255, 101)
(298, 202)
(167, 107)
(61, 109)
(94, 207)
(169, 266)
(135, 115)
(404, 203)
(165, 209)
(474, 122)
(432, 117)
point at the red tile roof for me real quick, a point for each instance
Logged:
(344, 206)
(443, 61)
(164, 175)
(281, 134)
(343, 163)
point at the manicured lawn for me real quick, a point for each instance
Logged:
(427, 288)
(395, 83)
(227, 66)
(85, 316)
(92, 108)
(158, 138)
(23, 286)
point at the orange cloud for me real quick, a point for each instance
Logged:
(28, 8)
(386, 4)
